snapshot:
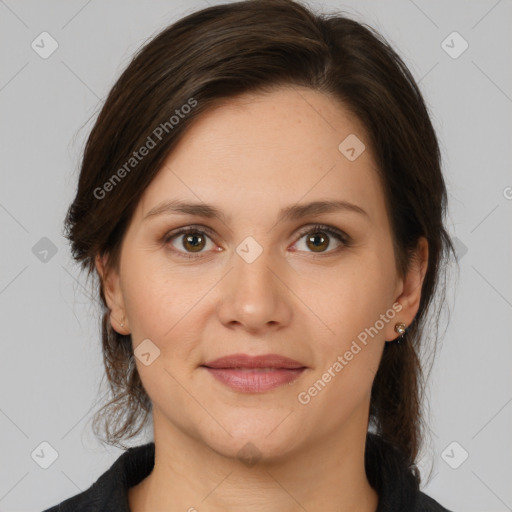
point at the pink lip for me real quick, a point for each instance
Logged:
(254, 380)
(246, 373)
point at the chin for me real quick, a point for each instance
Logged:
(254, 451)
(265, 439)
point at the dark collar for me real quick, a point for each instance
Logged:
(387, 472)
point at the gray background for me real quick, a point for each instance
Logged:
(51, 364)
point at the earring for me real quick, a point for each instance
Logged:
(400, 329)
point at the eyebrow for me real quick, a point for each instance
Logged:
(289, 213)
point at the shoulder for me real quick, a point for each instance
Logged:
(109, 493)
(425, 503)
(395, 479)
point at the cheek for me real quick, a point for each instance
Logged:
(351, 298)
(170, 307)
(158, 295)
(348, 344)
(163, 306)
(351, 333)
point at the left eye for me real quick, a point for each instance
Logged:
(318, 238)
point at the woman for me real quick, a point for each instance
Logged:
(262, 200)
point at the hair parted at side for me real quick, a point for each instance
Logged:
(215, 54)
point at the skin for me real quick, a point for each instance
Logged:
(250, 157)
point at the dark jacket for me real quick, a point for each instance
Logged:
(394, 482)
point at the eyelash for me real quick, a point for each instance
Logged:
(331, 231)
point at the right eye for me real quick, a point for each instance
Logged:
(189, 241)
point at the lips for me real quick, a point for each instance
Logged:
(254, 374)
(246, 361)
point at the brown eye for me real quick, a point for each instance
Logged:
(187, 242)
(193, 242)
(320, 238)
(317, 241)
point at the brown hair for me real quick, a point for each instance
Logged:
(254, 46)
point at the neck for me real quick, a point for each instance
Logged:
(188, 475)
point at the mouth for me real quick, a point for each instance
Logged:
(254, 374)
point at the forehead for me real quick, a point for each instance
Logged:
(264, 151)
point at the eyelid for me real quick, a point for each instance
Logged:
(191, 228)
(312, 228)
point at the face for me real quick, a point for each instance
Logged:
(313, 285)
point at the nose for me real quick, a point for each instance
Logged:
(255, 296)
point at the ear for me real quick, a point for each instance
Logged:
(409, 289)
(113, 295)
